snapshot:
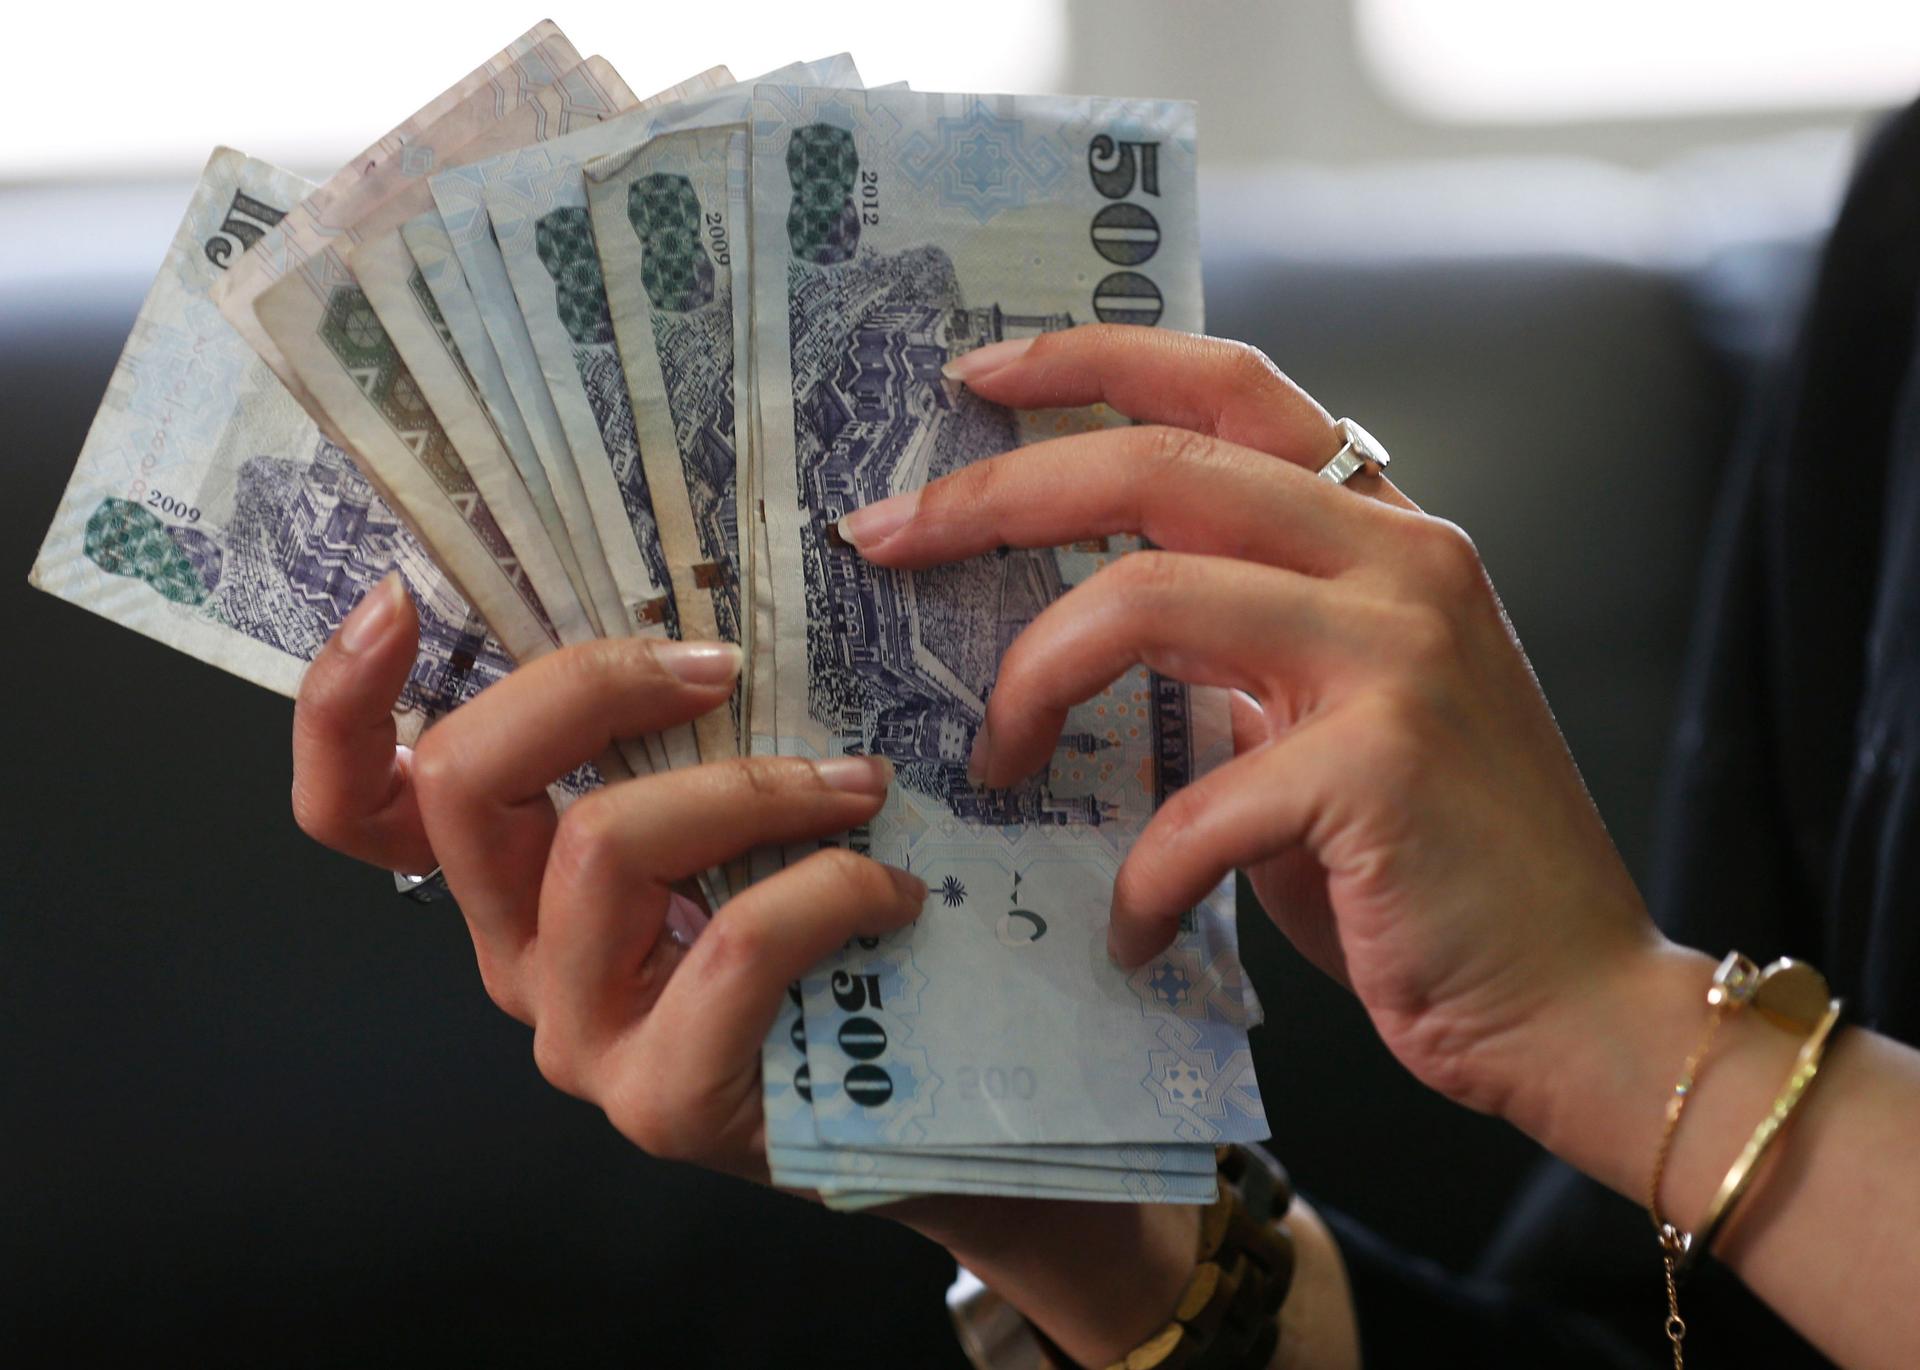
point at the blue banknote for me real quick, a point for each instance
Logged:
(892, 230)
(206, 509)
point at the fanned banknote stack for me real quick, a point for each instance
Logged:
(582, 364)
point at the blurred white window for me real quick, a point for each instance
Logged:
(98, 89)
(1546, 61)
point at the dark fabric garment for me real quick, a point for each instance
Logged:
(1789, 821)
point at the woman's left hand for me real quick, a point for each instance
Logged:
(1401, 797)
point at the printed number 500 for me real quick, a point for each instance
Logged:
(995, 1082)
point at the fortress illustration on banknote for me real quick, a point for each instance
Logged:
(901, 665)
(694, 340)
(302, 544)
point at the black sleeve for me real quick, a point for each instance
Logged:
(1413, 1313)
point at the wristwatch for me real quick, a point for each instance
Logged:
(1226, 1316)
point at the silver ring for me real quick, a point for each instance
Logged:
(1360, 450)
(430, 888)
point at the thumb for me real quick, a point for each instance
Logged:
(352, 782)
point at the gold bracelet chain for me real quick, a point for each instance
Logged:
(1791, 995)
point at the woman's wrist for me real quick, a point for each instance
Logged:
(1097, 1278)
(1605, 1068)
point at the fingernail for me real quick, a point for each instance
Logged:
(699, 663)
(686, 917)
(868, 775)
(875, 523)
(978, 758)
(983, 361)
(374, 616)
(912, 888)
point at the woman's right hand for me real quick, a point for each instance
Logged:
(568, 912)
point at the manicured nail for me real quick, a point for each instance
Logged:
(875, 523)
(912, 888)
(699, 663)
(686, 918)
(983, 361)
(374, 616)
(868, 775)
(981, 754)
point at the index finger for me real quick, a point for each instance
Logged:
(1156, 375)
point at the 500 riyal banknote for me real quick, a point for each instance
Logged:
(893, 229)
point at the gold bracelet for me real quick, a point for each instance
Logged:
(1790, 994)
(1805, 1066)
(1733, 984)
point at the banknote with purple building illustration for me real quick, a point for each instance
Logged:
(206, 509)
(665, 238)
(893, 230)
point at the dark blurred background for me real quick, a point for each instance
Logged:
(256, 1110)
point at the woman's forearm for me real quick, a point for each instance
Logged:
(1406, 809)
(1829, 1236)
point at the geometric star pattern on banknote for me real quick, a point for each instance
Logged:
(982, 162)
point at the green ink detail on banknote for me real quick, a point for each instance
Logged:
(822, 224)
(353, 333)
(125, 540)
(564, 240)
(665, 214)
